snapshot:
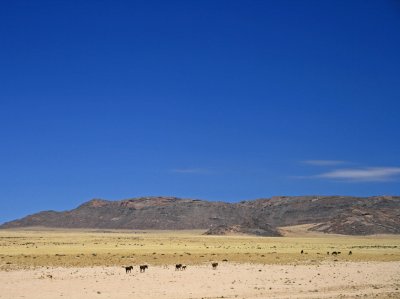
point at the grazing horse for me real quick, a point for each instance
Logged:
(178, 267)
(184, 267)
(334, 253)
(143, 268)
(128, 269)
(214, 265)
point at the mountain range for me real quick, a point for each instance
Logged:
(330, 214)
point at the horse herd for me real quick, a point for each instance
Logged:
(327, 253)
(181, 267)
(178, 267)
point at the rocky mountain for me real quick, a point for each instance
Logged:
(330, 214)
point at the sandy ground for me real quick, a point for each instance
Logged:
(327, 280)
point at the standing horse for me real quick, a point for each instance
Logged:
(143, 268)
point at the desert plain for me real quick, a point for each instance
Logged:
(56, 263)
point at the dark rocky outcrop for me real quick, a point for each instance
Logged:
(244, 228)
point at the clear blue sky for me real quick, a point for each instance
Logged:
(219, 100)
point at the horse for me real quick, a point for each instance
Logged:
(178, 267)
(143, 268)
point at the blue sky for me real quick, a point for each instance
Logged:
(220, 100)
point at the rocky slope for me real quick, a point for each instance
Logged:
(331, 214)
(247, 228)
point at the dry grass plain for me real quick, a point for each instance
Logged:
(39, 263)
(79, 248)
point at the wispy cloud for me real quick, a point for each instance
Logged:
(324, 162)
(189, 170)
(367, 174)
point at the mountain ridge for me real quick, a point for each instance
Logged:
(334, 214)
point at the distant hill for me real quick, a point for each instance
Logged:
(330, 214)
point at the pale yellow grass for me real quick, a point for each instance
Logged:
(81, 248)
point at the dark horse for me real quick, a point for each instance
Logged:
(214, 265)
(143, 268)
(178, 267)
(128, 269)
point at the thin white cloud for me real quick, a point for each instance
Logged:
(367, 174)
(323, 162)
(189, 170)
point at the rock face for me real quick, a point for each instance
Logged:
(246, 228)
(362, 222)
(331, 214)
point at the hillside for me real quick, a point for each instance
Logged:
(330, 214)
